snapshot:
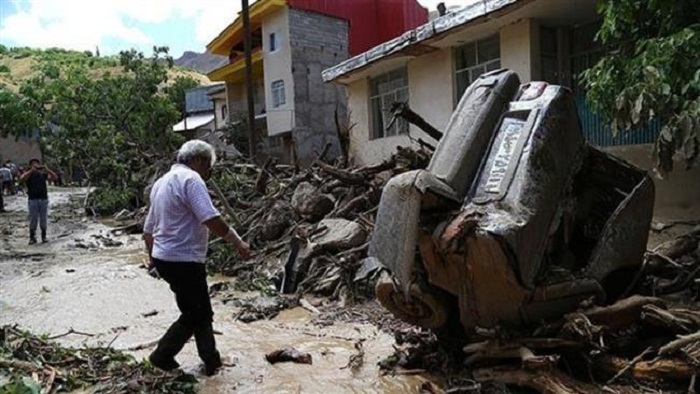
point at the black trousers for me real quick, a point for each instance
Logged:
(189, 283)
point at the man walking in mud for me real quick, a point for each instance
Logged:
(176, 233)
(38, 197)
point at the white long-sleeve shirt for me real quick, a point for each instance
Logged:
(180, 204)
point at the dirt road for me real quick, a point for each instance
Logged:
(88, 283)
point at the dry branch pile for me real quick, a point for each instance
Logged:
(309, 229)
(31, 364)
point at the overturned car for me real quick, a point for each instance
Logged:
(516, 219)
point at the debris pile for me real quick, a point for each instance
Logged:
(648, 341)
(31, 364)
(308, 228)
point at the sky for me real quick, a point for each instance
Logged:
(115, 25)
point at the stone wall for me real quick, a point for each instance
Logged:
(318, 42)
(20, 151)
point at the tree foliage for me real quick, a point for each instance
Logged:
(16, 116)
(111, 126)
(176, 92)
(652, 71)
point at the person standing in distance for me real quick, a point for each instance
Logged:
(38, 197)
(176, 233)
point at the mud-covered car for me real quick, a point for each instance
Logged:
(516, 219)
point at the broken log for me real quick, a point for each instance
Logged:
(350, 178)
(261, 182)
(680, 343)
(402, 110)
(621, 314)
(543, 381)
(650, 371)
(680, 246)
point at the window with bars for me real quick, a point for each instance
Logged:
(384, 91)
(278, 96)
(474, 59)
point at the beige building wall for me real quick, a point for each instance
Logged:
(277, 65)
(363, 150)
(520, 49)
(430, 90)
(20, 151)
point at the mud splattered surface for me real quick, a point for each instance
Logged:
(88, 282)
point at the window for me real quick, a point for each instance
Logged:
(474, 59)
(548, 55)
(224, 112)
(274, 41)
(275, 142)
(384, 91)
(278, 96)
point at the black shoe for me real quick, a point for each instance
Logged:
(212, 367)
(209, 369)
(43, 237)
(44, 240)
(169, 346)
(166, 364)
(32, 240)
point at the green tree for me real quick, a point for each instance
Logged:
(114, 126)
(652, 71)
(16, 116)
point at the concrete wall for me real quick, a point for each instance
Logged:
(678, 195)
(317, 42)
(19, 151)
(277, 65)
(520, 49)
(236, 97)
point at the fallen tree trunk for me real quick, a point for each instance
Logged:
(621, 314)
(402, 110)
(650, 371)
(543, 381)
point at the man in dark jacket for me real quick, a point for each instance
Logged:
(36, 179)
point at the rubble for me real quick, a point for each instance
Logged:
(309, 229)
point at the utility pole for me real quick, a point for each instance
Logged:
(248, 42)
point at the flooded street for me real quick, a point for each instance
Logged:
(82, 284)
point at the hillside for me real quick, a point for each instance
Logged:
(19, 64)
(201, 62)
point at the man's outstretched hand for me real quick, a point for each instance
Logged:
(243, 249)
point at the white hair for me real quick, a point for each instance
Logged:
(195, 148)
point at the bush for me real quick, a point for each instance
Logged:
(107, 201)
(4, 69)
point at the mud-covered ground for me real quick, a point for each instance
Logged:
(88, 283)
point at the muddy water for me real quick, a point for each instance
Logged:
(105, 294)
